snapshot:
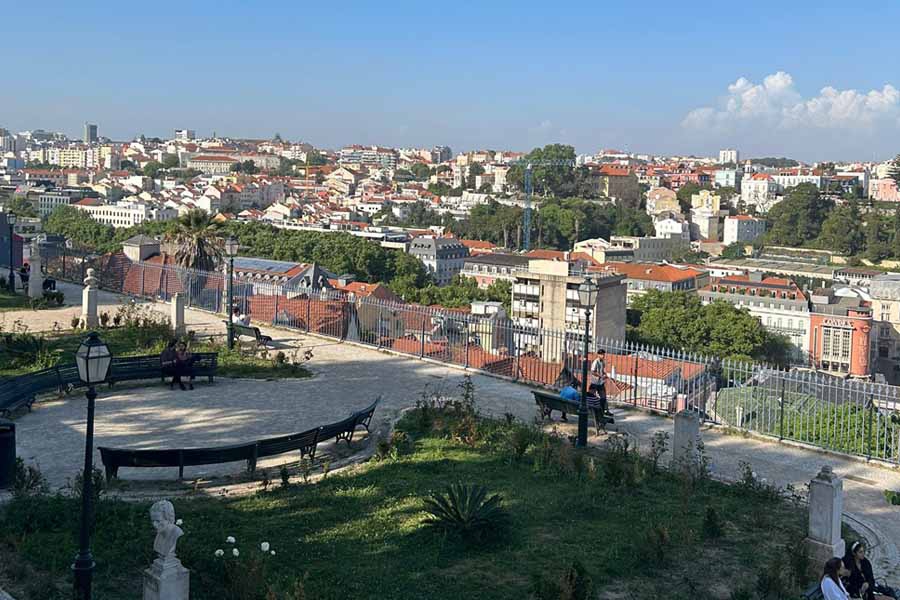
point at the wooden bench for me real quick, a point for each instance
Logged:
(252, 332)
(130, 368)
(306, 442)
(548, 402)
(21, 391)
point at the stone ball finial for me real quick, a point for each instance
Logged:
(826, 474)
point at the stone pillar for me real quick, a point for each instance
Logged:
(177, 315)
(89, 318)
(826, 503)
(36, 277)
(685, 451)
(166, 579)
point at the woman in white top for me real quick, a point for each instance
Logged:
(832, 588)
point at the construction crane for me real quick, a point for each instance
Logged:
(527, 167)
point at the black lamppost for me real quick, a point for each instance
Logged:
(587, 295)
(93, 359)
(231, 249)
(11, 221)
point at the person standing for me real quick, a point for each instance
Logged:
(599, 377)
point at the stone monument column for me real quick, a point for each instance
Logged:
(826, 503)
(89, 318)
(166, 579)
(685, 450)
(177, 315)
(36, 276)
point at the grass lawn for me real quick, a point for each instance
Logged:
(360, 533)
(13, 302)
(29, 353)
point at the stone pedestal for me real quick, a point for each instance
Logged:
(89, 319)
(177, 314)
(826, 503)
(685, 451)
(166, 579)
(36, 277)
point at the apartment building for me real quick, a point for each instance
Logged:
(742, 228)
(486, 269)
(444, 257)
(779, 304)
(729, 155)
(885, 292)
(545, 299)
(370, 156)
(212, 164)
(728, 178)
(840, 333)
(660, 199)
(759, 190)
(650, 249)
(124, 214)
(642, 277)
(617, 182)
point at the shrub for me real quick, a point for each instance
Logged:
(305, 469)
(893, 497)
(27, 480)
(75, 322)
(712, 524)
(574, 584)
(770, 579)
(98, 485)
(285, 476)
(398, 444)
(659, 444)
(117, 320)
(622, 464)
(467, 511)
(104, 319)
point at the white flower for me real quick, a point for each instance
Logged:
(272, 553)
(179, 522)
(219, 552)
(234, 552)
(264, 546)
(229, 540)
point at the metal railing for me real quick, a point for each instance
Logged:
(855, 417)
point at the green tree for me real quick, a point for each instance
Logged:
(152, 168)
(842, 230)
(798, 219)
(170, 161)
(735, 250)
(684, 194)
(314, 159)
(79, 227)
(420, 171)
(196, 240)
(877, 241)
(21, 207)
(895, 240)
(553, 171)
(475, 169)
(775, 163)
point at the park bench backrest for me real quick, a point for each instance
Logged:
(305, 442)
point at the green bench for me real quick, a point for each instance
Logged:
(306, 442)
(548, 402)
(253, 333)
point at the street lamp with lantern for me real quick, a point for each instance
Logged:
(93, 359)
(11, 221)
(231, 249)
(587, 295)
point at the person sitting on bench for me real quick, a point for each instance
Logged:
(168, 359)
(570, 392)
(184, 364)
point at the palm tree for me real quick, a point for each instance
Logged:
(197, 242)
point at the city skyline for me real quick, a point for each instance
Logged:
(651, 78)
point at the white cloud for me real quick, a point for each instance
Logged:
(776, 104)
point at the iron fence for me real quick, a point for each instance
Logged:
(855, 417)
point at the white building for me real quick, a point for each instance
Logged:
(729, 155)
(760, 191)
(185, 135)
(743, 228)
(729, 178)
(671, 224)
(126, 214)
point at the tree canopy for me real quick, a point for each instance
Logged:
(680, 320)
(798, 219)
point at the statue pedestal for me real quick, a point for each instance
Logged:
(89, 318)
(166, 579)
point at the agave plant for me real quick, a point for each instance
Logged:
(466, 510)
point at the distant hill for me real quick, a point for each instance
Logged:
(778, 163)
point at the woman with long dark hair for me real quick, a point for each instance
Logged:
(860, 583)
(832, 588)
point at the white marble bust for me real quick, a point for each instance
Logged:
(162, 514)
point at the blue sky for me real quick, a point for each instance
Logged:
(644, 76)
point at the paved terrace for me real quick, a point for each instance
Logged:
(347, 377)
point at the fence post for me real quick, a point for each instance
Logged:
(422, 349)
(467, 344)
(869, 433)
(781, 412)
(142, 279)
(275, 312)
(379, 326)
(308, 304)
(635, 380)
